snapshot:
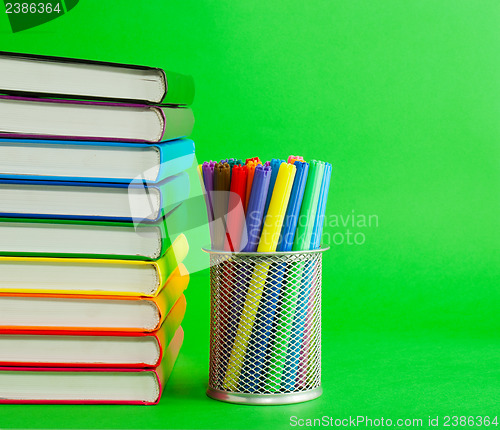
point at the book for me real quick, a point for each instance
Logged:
(72, 120)
(83, 312)
(92, 201)
(90, 276)
(91, 80)
(94, 349)
(97, 385)
(94, 161)
(35, 237)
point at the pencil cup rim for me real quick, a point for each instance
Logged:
(258, 254)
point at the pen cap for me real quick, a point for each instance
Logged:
(292, 213)
(220, 201)
(277, 208)
(256, 160)
(232, 162)
(236, 214)
(208, 181)
(275, 167)
(238, 186)
(251, 164)
(208, 166)
(320, 215)
(255, 209)
(309, 208)
(293, 158)
(222, 176)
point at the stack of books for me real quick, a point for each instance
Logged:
(92, 177)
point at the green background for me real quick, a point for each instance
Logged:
(403, 98)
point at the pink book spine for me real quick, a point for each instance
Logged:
(76, 402)
(82, 102)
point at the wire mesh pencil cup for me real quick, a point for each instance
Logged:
(265, 327)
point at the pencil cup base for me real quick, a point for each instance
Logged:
(264, 399)
(265, 327)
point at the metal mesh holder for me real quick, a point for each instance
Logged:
(265, 327)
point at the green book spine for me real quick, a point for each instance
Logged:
(166, 239)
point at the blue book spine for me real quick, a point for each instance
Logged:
(175, 157)
(171, 192)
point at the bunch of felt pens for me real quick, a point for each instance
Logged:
(275, 206)
(263, 313)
